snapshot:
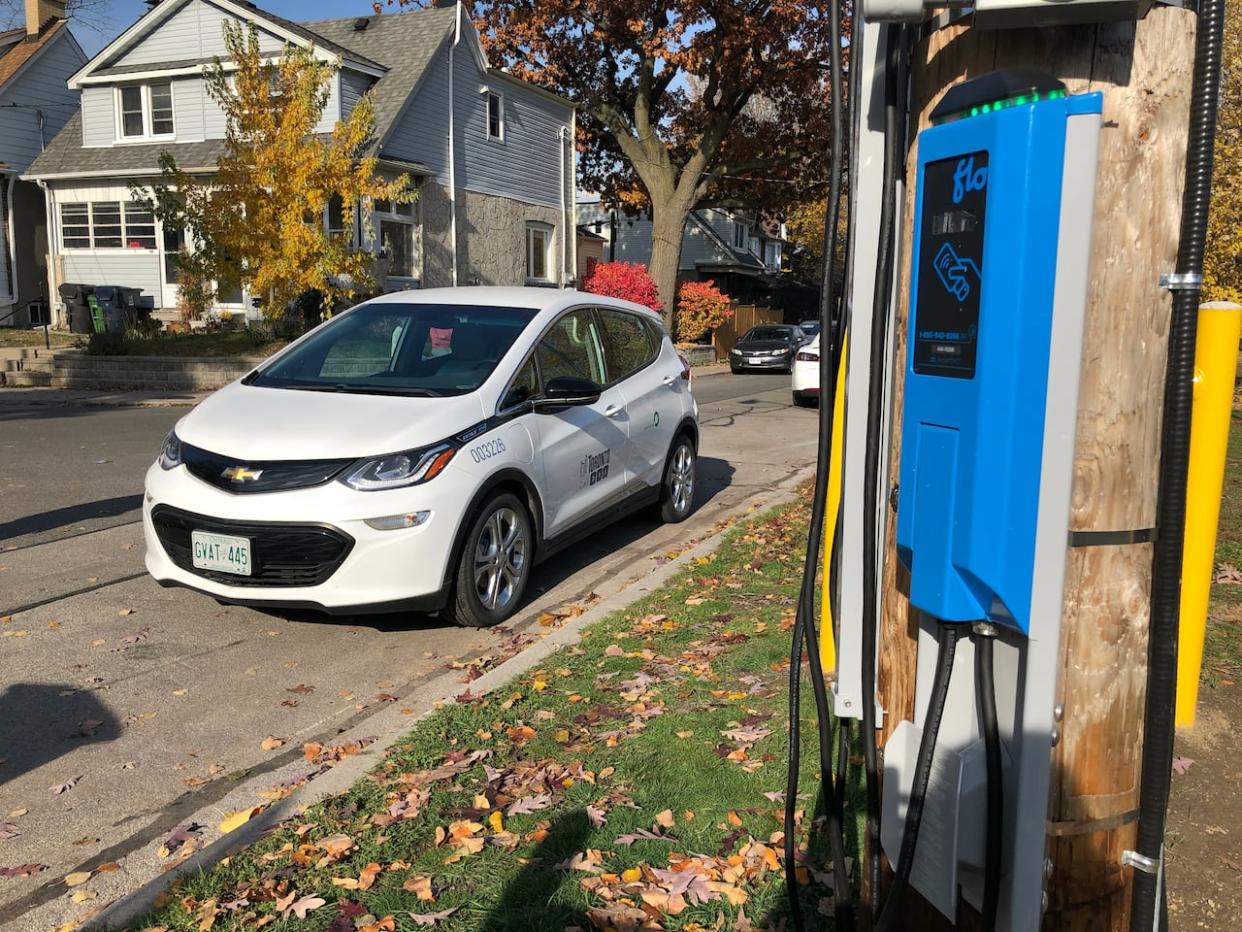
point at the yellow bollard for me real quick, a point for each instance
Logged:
(827, 637)
(1216, 359)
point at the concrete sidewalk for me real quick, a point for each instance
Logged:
(107, 399)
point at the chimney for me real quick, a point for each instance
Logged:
(40, 13)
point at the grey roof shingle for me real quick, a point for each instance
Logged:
(404, 43)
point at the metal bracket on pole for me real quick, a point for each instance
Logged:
(1140, 862)
(1181, 281)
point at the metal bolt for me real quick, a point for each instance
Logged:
(1056, 735)
(849, 703)
(892, 497)
(1048, 868)
(1043, 902)
(1058, 712)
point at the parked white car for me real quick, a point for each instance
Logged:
(805, 375)
(423, 451)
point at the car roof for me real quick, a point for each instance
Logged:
(535, 298)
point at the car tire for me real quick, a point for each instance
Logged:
(804, 401)
(495, 563)
(735, 370)
(677, 486)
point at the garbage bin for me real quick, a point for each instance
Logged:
(79, 309)
(119, 304)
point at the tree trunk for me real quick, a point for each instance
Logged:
(668, 223)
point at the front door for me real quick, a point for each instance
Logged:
(173, 239)
(584, 449)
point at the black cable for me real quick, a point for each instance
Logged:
(1174, 458)
(893, 40)
(946, 636)
(805, 627)
(985, 686)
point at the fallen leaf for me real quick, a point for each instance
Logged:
(81, 896)
(22, 870)
(271, 743)
(1181, 765)
(665, 818)
(421, 886)
(528, 804)
(237, 819)
(65, 787)
(125, 611)
(77, 878)
(305, 905)
(430, 919)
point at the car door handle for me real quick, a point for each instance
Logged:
(614, 411)
(669, 379)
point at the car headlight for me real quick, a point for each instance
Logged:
(170, 455)
(397, 470)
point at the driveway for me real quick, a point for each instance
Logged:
(124, 707)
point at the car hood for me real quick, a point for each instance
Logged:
(257, 424)
(750, 346)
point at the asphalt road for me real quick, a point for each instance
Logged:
(138, 703)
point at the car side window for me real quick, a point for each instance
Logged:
(525, 385)
(572, 347)
(627, 341)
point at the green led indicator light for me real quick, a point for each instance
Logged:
(974, 111)
(987, 108)
(1005, 103)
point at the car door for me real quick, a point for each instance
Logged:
(650, 381)
(583, 449)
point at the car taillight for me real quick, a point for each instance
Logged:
(808, 357)
(685, 368)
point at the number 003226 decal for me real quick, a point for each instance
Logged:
(487, 449)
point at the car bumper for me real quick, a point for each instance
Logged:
(369, 569)
(806, 378)
(759, 362)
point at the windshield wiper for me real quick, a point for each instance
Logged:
(344, 388)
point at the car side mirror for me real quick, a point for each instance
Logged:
(566, 391)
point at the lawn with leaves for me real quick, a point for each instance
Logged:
(635, 781)
(1222, 660)
(12, 337)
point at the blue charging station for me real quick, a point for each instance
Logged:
(987, 215)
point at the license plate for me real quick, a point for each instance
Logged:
(221, 553)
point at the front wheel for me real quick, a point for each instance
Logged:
(495, 563)
(677, 491)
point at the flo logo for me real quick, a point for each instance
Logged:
(967, 178)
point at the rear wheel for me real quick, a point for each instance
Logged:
(495, 563)
(677, 491)
(804, 400)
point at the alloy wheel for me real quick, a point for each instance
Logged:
(500, 559)
(681, 479)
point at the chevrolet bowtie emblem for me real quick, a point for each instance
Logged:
(241, 474)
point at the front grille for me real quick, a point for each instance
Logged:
(267, 476)
(281, 554)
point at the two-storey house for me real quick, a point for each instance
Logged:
(492, 155)
(740, 251)
(35, 102)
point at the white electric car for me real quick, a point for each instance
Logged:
(423, 451)
(805, 374)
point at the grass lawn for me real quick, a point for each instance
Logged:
(221, 343)
(10, 337)
(637, 778)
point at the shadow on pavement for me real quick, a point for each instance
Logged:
(70, 514)
(40, 722)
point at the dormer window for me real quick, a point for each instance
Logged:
(145, 111)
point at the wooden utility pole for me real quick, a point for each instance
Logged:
(1144, 72)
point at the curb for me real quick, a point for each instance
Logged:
(391, 724)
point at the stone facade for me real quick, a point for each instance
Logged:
(491, 237)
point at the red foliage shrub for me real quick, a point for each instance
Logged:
(701, 308)
(626, 280)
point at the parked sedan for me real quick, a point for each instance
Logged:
(768, 346)
(806, 375)
(423, 451)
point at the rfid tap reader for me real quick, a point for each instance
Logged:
(989, 213)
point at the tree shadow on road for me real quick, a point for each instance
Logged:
(40, 722)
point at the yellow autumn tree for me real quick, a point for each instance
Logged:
(1222, 265)
(260, 220)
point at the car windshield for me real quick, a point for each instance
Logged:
(768, 333)
(401, 349)
(809, 327)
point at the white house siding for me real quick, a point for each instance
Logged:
(195, 31)
(134, 268)
(421, 135)
(41, 86)
(99, 115)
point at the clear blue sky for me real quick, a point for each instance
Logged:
(122, 13)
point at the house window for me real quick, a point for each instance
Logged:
(107, 225)
(145, 110)
(741, 233)
(495, 116)
(772, 256)
(538, 245)
(398, 235)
